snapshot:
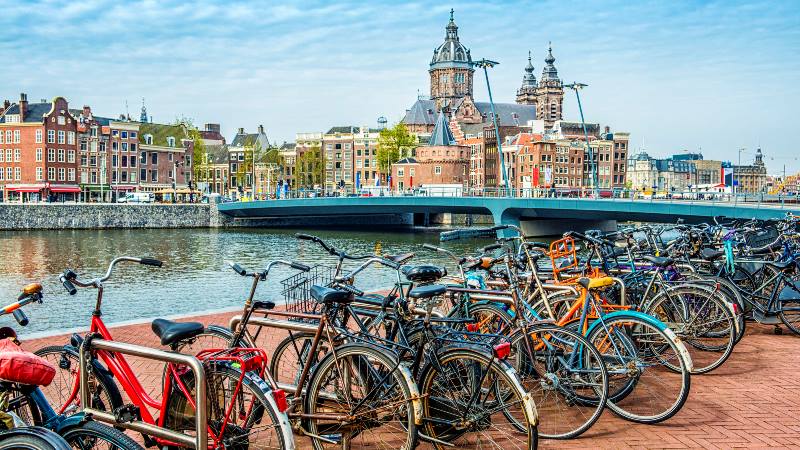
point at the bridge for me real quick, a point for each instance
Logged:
(537, 215)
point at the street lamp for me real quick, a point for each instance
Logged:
(485, 64)
(575, 86)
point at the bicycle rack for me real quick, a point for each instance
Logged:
(201, 422)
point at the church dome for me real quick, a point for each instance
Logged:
(452, 52)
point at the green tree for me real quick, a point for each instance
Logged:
(394, 143)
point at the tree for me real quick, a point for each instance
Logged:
(394, 143)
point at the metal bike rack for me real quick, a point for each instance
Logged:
(201, 422)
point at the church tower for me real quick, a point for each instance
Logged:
(526, 95)
(550, 94)
(450, 69)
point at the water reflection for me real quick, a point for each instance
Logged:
(194, 277)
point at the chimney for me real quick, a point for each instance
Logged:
(241, 131)
(87, 111)
(23, 106)
(213, 127)
(261, 129)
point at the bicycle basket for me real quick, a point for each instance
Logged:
(296, 289)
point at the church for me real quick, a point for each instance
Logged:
(452, 73)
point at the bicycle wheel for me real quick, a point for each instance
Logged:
(211, 337)
(565, 375)
(471, 400)
(289, 358)
(357, 397)
(490, 318)
(790, 315)
(92, 435)
(31, 438)
(659, 392)
(62, 393)
(702, 320)
(253, 422)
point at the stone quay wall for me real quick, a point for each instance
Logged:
(64, 216)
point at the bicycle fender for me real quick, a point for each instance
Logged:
(416, 400)
(63, 424)
(527, 400)
(283, 418)
(52, 438)
(682, 351)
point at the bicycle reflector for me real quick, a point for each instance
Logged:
(280, 400)
(472, 327)
(501, 351)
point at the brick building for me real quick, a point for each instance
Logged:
(365, 157)
(242, 151)
(165, 158)
(39, 150)
(94, 135)
(337, 145)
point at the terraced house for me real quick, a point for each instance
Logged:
(39, 150)
(165, 158)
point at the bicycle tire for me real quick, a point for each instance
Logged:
(104, 391)
(361, 357)
(95, 432)
(653, 344)
(792, 321)
(440, 402)
(32, 438)
(290, 356)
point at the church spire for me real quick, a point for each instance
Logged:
(549, 72)
(529, 79)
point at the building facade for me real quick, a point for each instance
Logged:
(338, 152)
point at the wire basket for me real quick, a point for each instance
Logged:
(296, 290)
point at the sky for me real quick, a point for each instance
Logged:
(718, 76)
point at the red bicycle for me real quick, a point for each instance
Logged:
(242, 409)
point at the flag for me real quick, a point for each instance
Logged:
(727, 176)
(358, 180)
(536, 176)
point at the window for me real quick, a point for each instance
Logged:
(113, 177)
(16, 137)
(142, 174)
(62, 174)
(153, 158)
(51, 136)
(84, 177)
(84, 159)
(9, 155)
(17, 155)
(1, 156)
(113, 160)
(84, 147)
(70, 156)
(133, 176)
(400, 172)
(169, 175)
(133, 147)
(9, 138)
(133, 136)
(71, 174)
(124, 134)
(154, 176)
(51, 155)
(2, 174)
(1, 137)
(71, 138)
(124, 161)
(133, 161)
(93, 161)
(10, 173)
(124, 175)
(148, 139)
(124, 146)
(114, 145)
(114, 133)
(169, 156)
(38, 136)
(94, 131)
(62, 120)
(17, 173)
(61, 137)
(61, 155)
(143, 159)
(170, 141)
(94, 177)
(51, 173)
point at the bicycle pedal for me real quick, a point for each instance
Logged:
(127, 413)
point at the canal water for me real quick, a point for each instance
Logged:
(195, 276)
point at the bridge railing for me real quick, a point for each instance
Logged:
(616, 194)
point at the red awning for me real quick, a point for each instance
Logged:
(60, 189)
(23, 189)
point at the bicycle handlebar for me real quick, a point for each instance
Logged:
(332, 250)
(263, 274)
(68, 284)
(20, 317)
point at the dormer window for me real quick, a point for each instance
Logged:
(148, 139)
(170, 141)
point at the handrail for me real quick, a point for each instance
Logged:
(201, 421)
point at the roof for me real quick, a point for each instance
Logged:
(508, 114)
(217, 152)
(34, 112)
(244, 140)
(288, 146)
(442, 136)
(406, 161)
(212, 135)
(161, 132)
(451, 53)
(342, 130)
(422, 112)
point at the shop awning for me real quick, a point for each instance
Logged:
(123, 187)
(24, 187)
(65, 189)
(165, 191)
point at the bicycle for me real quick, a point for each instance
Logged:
(26, 402)
(241, 407)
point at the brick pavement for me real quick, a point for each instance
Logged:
(752, 401)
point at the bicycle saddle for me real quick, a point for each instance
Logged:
(431, 290)
(171, 332)
(424, 273)
(710, 254)
(659, 261)
(324, 294)
(595, 283)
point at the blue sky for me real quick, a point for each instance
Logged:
(678, 75)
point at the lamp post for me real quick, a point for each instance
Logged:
(575, 86)
(486, 64)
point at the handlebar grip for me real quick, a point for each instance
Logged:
(299, 266)
(237, 268)
(20, 316)
(430, 247)
(499, 227)
(150, 262)
(305, 237)
(351, 289)
(489, 248)
(390, 263)
(68, 285)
